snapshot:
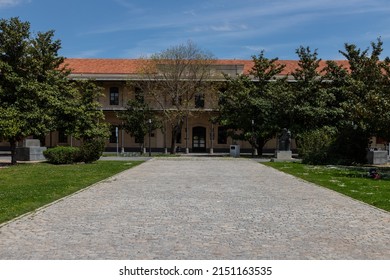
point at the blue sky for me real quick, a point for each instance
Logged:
(228, 29)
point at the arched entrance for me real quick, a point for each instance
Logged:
(199, 139)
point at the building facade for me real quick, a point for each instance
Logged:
(198, 133)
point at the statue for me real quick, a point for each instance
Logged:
(285, 140)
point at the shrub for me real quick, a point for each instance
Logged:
(62, 155)
(350, 147)
(314, 146)
(91, 150)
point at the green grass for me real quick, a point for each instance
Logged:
(350, 181)
(26, 187)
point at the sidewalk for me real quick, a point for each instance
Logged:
(200, 208)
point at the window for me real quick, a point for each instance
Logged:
(222, 96)
(178, 138)
(199, 100)
(114, 96)
(222, 135)
(62, 138)
(113, 134)
(177, 131)
(177, 100)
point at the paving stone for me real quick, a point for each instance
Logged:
(200, 208)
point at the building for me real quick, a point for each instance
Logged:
(198, 134)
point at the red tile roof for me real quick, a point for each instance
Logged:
(131, 66)
(102, 66)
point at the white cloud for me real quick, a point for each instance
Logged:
(87, 53)
(228, 27)
(251, 23)
(256, 48)
(191, 13)
(129, 6)
(11, 3)
(7, 3)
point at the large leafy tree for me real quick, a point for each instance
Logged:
(172, 79)
(89, 121)
(20, 90)
(313, 105)
(249, 102)
(382, 124)
(364, 95)
(36, 96)
(367, 88)
(136, 120)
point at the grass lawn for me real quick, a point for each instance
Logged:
(350, 181)
(26, 187)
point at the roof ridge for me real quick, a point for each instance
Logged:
(130, 66)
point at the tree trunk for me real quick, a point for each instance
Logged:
(260, 145)
(13, 152)
(141, 149)
(173, 142)
(175, 132)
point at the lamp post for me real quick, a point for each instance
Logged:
(150, 136)
(187, 149)
(123, 140)
(253, 138)
(117, 140)
(212, 139)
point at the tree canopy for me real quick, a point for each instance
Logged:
(364, 97)
(248, 106)
(173, 78)
(136, 120)
(352, 102)
(342, 106)
(36, 95)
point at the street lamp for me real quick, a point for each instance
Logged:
(187, 149)
(150, 136)
(253, 138)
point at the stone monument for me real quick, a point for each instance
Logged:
(284, 145)
(377, 157)
(31, 150)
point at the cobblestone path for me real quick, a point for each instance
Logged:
(200, 208)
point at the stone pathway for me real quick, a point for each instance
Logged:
(200, 208)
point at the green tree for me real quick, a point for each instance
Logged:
(89, 119)
(46, 65)
(382, 123)
(364, 97)
(36, 96)
(248, 103)
(136, 120)
(10, 123)
(313, 106)
(21, 93)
